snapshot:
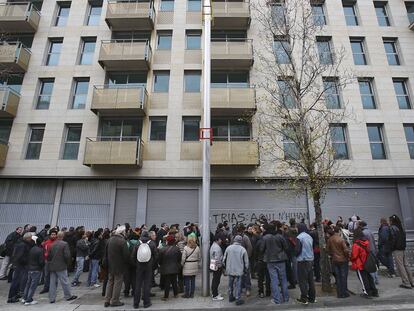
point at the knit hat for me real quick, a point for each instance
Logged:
(238, 239)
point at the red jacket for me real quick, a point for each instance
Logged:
(46, 247)
(359, 254)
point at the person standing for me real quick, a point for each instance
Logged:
(95, 255)
(10, 242)
(35, 266)
(190, 259)
(399, 243)
(82, 253)
(385, 247)
(216, 254)
(263, 276)
(59, 259)
(46, 245)
(372, 245)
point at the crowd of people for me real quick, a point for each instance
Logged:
(279, 256)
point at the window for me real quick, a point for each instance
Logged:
(232, 79)
(282, 50)
(231, 130)
(192, 81)
(286, 96)
(164, 39)
(403, 98)
(376, 140)
(331, 93)
(72, 140)
(390, 46)
(194, 5)
(350, 14)
(94, 14)
(193, 39)
(289, 139)
(35, 142)
(382, 14)
(62, 13)
(45, 93)
(339, 141)
(191, 126)
(410, 11)
(324, 50)
(161, 81)
(167, 5)
(88, 50)
(13, 81)
(358, 51)
(158, 129)
(318, 14)
(278, 13)
(126, 78)
(53, 54)
(409, 136)
(5, 129)
(122, 129)
(228, 35)
(80, 92)
(366, 90)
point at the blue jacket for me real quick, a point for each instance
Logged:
(307, 247)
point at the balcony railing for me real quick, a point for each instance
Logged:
(4, 147)
(14, 57)
(9, 101)
(232, 53)
(231, 14)
(120, 100)
(125, 54)
(110, 150)
(243, 153)
(233, 101)
(130, 15)
(18, 17)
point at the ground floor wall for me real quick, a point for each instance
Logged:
(105, 203)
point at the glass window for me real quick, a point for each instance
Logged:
(121, 129)
(409, 136)
(45, 93)
(55, 47)
(324, 50)
(194, 5)
(80, 93)
(13, 81)
(35, 142)
(318, 14)
(278, 13)
(191, 126)
(382, 15)
(5, 129)
(376, 141)
(167, 5)
(401, 92)
(127, 78)
(290, 147)
(286, 96)
(161, 81)
(72, 141)
(62, 13)
(350, 14)
(94, 14)
(358, 51)
(232, 79)
(367, 93)
(391, 52)
(192, 81)
(231, 130)
(282, 50)
(339, 141)
(164, 40)
(331, 93)
(410, 11)
(88, 50)
(158, 129)
(193, 39)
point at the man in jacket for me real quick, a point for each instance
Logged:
(236, 263)
(35, 266)
(82, 253)
(46, 248)
(10, 242)
(117, 258)
(372, 245)
(261, 269)
(385, 247)
(59, 259)
(161, 233)
(95, 255)
(216, 253)
(274, 249)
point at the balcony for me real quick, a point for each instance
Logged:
(4, 147)
(233, 101)
(14, 57)
(134, 15)
(228, 54)
(18, 17)
(235, 153)
(9, 101)
(120, 100)
(122, 55)
(231, 15)
(113, 151)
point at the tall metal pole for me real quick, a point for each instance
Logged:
(206, 150)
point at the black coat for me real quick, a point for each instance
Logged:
(170, 260)
(399, 242)
(36, 261)
(154, 254)
(21, 253)
(160, 235)
(117, 254)
(96, 249)
(11, 241)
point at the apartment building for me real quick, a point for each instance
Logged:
(102, 103)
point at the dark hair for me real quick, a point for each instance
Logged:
(220, 236)
(395, 220)
(358, 235)
(47, 226)
(337, 229)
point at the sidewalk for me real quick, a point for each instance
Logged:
(391, 298)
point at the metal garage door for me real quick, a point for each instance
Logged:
(85, 203)
(369, 203)
(175, 206)
(247, 205)
(126, 206)
(25, 202)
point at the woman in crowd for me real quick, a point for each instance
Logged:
(190, 258)
(169, 260)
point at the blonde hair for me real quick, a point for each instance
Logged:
(191, 242)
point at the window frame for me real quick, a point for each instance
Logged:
(88, 16)
(373, 93)
(193, 73)
(193, 33)
(344, 142)
(40, 89)
(164, 34)
(355, 16)
(188, 5)
(396, 55)
(317, 17)
(190, 119)
(284, 96)
(381, 142)
(85, 40)
(161, 73)
(6, 124)
(121, 136)
(321, 53)
(168, 9)
(33, 127)
(62, 5)
(230, 137)
(76, 81)
(410, 143)
(49, 53)
(384, 6)
(337, 93)
(66, 142)
(157, 119)
(285, 50)
(364, 53)
(406, 95)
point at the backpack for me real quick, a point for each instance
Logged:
(144, 252)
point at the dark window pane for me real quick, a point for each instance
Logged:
(220, 129)
(5, 129)
(71, 151)
(239, 130)
(33, 151)
(377, 151)
(111, 128)
(191, 130)
(350, 15)
(74, 134)
(374, 133)
(158, 129)
(409, 133)
(192, 82)
(282, 51)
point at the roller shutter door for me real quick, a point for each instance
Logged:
(85, 203)
(126, 206)
(25, 202)
(172, 206)
(248, 205)
(369, 203)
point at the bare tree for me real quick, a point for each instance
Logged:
(300, 116)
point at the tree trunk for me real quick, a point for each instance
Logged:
(324, 261)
